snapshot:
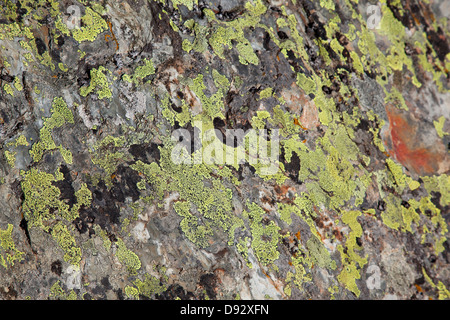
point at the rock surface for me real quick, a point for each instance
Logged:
(94, 204)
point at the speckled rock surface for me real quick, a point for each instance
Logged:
(93, 204)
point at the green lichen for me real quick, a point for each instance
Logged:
(46, 60)
(144, 71)
(266, 93)
(10, 157)
(127, 78)
(328, 4)
(64, 238)
(61, 114)
(222, 34)
(58, 293)
(258, 121)
(200, 33)
(395, 32)
(147, 287)
(319, 253)
(127, 257)
(246, 54)
(301, 262)
(242, 247)
(17, 84)
(84, 198)
(351, 261)
(439, 184)
(265, 237)
(10, 30)
(212, 106)
(205, 208)
(41, 197)
(103, 236)
(99, 82)
(107, 156)
(131, 292)
(188, 3)
(8, 89)
(308, 85)
(348, 277)
(63, 67)
(397, 173)
(42, 203)
(110, 140)
(443, 292)
(93, 25)
(439, 126)
(62, 27)
(395, 97)
(8, 251)
(198, 234)
(20, 141)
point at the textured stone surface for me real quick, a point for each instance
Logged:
(93, 207)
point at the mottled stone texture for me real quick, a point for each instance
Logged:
(93, 207)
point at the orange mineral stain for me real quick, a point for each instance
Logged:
(407, 146)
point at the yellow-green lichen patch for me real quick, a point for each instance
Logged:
(438, 223)
(46, 60)
(200, 33)
(99, 82)
(42, 203)
(265, 237)
(20, 141)
(439, 126)
(392, 216)
(397, 173)
(62, 27)
(63, 67)
(17, 84)
(144, 71)
(395, 31)
(443, 292)
(127, 257)
(320, 255)
(222, 33)
(8, 89)
(308, 85)
(131, 292)
(107, 156)
(10, 31)
(60, 115)
(302, 264)
(10, 157)
(182, 117)
(205, 208)
(41, 197)
(64, 238)
(285, 122)
(242, 246)
(428, 63)
(349, 275)
(351, 261)
(439, 184)
(212, 106)
(396, 98)
(329, 169)
(198, 234)
(8, 251)
(84, 198)
(58, 293)
(147, 287)
(93, 25)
